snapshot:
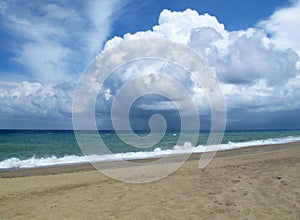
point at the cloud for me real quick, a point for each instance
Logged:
(261, 97)
(283, 27)
(246, 58)
(257, 72)
(101, 16)
(37, 100)
(254, 73)
(56, 40)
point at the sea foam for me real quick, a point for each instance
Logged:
(187, 147)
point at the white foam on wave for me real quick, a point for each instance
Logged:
(187, 147)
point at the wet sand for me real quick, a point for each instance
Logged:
(250, 183)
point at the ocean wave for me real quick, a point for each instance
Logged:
(13, 163)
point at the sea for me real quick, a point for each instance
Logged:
(38, 148)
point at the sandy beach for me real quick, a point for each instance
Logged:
(250, 183)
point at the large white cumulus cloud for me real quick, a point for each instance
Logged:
(255, 73)
(238, 57)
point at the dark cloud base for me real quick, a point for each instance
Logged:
(243, 120)
(236, 120)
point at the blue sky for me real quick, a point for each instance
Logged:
(46, 45)
(234, 14)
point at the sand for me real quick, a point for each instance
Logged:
(251, 183)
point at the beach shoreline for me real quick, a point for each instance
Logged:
(247, 183)
(69, 168)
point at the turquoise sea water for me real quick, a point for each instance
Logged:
(31, 148)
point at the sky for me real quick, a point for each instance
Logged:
(251, 45)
